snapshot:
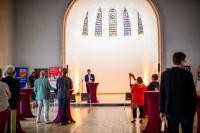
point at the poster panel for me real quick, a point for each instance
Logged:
(22, 76)
(53, 74)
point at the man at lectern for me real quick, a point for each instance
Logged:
(89, 78)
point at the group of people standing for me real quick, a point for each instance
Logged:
(10, 94)
(42, 90)
(137, 92)
(178, 97)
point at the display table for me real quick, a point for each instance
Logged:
(18, 125)
(18, 107)
(68, 112)
(198, 113)
(154, 122)
(93, 92)
(25, 107)
(145, 105)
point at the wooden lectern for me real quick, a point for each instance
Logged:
(93, 92)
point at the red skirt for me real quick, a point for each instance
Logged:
(4, 116)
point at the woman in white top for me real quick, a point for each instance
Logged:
(4, 105)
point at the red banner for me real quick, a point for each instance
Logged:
(54, 73)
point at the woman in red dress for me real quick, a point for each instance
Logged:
(137, 92)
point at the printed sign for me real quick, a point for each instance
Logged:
(22, 75)
(53, 74)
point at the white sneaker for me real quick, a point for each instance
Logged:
(47, 122)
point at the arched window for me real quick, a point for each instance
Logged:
(112, 19)
(85, 26)
(127, 23)
(122, 46)
(140, 25)
(98, 25)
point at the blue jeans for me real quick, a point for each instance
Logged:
(63, 103)
(186, 123)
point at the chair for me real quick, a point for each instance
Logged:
(53, 99)
(84, 97)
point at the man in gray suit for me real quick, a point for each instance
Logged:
(64, 85)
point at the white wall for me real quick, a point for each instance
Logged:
(111, 58)
(6, 32)
(181, 29)
(38, 30)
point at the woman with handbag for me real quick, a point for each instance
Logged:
(137, 92)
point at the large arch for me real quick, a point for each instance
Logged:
(154, 6)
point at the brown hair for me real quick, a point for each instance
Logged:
(155, 76)
(139, 80)
(178, 57)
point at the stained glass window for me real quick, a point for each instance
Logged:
(85, 26)
(140, 25)
(127, 24)
(98, 25)
(112, 18)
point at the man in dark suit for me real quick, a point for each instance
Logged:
(178, 97)
(89, 78)
(64, 85)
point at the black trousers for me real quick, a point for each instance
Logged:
(88, 92)
(141, 109)
(186, 124)
(88, 89)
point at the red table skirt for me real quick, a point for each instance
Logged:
(154, 122)
(20, 99)
(68, 112)
(25, 107)
(4, 116)
(93, 92)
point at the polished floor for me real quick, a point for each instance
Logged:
(90, 120)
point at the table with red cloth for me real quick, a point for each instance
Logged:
(18, 106)
(154, 121)
(25, 106)
(93, 92)
(198, 113)
(68, 112)
(19, 116)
